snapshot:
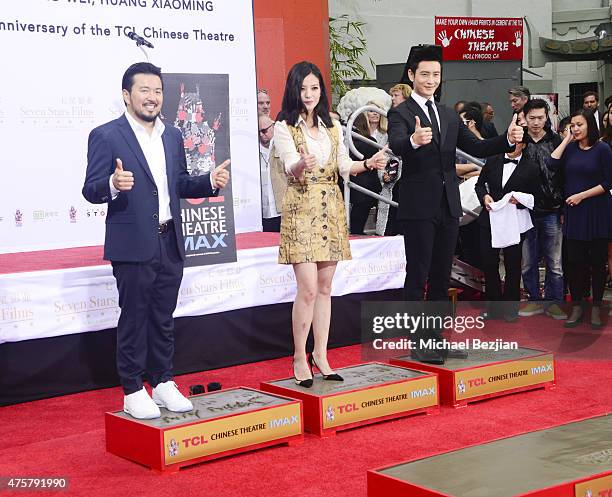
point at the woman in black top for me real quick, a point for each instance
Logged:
(587, 169)
(361, 204)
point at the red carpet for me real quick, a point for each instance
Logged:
(65, 437)
(92, 256)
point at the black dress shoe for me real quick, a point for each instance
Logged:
(427, 356)
(457, 354)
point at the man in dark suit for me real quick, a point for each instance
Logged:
(488, 127)
(426, 135)
(502, 174)
(590, 101)
(137, 165)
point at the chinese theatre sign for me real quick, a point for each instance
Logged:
(480, 38)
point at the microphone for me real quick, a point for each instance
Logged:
(139, 39)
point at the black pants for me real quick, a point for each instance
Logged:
(393, 226)
(271, 224)
(587, 267)
(469, 244)
(493, 286)
(147, 296)
(391, 229)
(359, 216)
(429, 245)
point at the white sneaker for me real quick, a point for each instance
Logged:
(167, 395)
(140, 406)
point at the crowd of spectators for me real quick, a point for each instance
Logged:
(571, 164)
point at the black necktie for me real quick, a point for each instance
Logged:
(433, 120)
(508, 161)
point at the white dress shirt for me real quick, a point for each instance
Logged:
(268, 204)
(509, 168)
(422, 103)
(320, 146)
(153, 149)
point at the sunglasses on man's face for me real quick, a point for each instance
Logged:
(265, 130)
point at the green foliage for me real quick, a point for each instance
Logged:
(347, 44)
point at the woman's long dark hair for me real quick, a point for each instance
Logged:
(360, 124)
(606, 131)
(292, 105)
(592, 131)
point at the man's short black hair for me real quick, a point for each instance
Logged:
(139, 68)
(564, 122)
(424, 53)
(590, 94)
(418, 54)
(473, 114)
(473, 105)
(536, 103)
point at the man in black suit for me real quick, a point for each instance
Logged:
(426, 135)
(488, 128)
(590, 101)
(502, 174)
(137, 165)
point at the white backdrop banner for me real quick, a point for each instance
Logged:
(62, 63)
(61, 302)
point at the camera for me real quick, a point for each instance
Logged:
(392, 166)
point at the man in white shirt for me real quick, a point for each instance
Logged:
(137, 165)
(271, 218)
(590, 101)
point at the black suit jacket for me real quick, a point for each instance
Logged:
(488, 130)
(132, 218)
(525, 178)
(429, 170)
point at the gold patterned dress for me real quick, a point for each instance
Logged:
(313, 224)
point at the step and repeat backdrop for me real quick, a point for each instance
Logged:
(62, 63)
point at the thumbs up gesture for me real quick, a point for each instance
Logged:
(421, 136)
(122, 180)
(379, 159)
(307, 161)
(515, 132)
(220, 175)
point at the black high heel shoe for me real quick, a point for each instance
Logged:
(326, 377)
(303, 383)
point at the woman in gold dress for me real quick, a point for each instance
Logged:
(314, 233)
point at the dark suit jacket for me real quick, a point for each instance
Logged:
(132, 217)
(525, 178)
(488, 130)
(423, 169)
